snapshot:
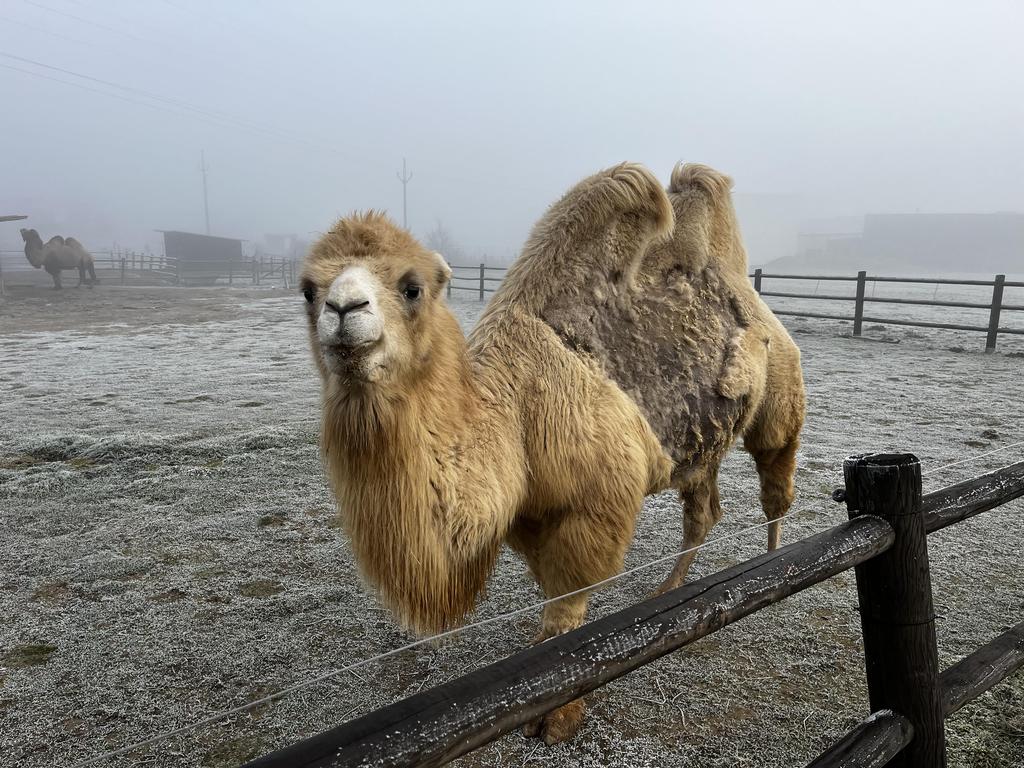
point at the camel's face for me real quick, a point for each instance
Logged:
(30, 236)
(370, 308)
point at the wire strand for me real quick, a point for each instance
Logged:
(217, 716)
(969, 459)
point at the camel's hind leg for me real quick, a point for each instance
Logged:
(776, 469)
(701, 512)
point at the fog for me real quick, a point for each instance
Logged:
(305, 111)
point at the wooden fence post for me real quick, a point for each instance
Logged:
(231, 270)
(122, 270)
(858, 310)
(482, 268)
(993, 318)
(757, 280)
(896, 613)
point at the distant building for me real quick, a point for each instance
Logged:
(917, 243)
(946, 242)
(201, 259)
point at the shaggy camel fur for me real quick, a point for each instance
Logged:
(622, 355)
(57, 254)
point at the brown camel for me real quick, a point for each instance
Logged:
(622, 355)
(57, 254)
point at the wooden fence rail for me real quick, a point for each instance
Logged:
(992, 329)
(438, 725)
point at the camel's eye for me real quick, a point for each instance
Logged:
(412, 292)
(308, 294)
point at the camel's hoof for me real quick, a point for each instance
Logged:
(559, 725)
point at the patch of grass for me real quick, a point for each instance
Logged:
(250, 404)
(233, 752)
(50, 592)
(81, 462)
(272, 520)
(260, 588)
(196, 399)
(214, 463)
(168, 596)
(19, 461)
(29, 655)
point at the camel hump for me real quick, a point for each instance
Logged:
(686, 176)
(625, 189)
(56, 240)
(70, 242)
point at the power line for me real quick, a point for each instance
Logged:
(87, 21)
(223, 119)
(47, 32)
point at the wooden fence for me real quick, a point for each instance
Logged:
(121, 267)
(995, 307)
(885, 540)
(480, 279)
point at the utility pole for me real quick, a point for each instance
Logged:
(206, 202)
(405, 178)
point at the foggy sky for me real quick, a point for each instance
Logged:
(839, 108)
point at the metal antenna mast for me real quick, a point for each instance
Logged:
(405, 178)
(206, 202)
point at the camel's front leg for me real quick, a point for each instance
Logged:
(562, 723)
(81, 275)
(568, 552)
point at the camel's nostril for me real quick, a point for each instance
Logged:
(343, 310)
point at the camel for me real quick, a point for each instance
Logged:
(623, 354)
(59, 253)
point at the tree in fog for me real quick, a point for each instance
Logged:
(440, 239)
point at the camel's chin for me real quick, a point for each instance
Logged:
(363, 364)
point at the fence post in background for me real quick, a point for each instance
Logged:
(252, 263)
(858, 310)
(482, 268)
(122, 270)
(993, 318)
(896, 613)
(231, 270)
(757, 280)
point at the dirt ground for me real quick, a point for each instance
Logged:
(169, 549)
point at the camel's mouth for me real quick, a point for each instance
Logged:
(362, 361)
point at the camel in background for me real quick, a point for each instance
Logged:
(57, 254)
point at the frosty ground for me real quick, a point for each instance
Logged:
(169, 549)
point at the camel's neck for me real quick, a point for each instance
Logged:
(34, 253)
(428, 481)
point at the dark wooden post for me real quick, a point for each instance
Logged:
(122, 270)
(231, 270)
(896, 611)
(482, 268)
(993, 318)
(757, 280)
(858, 310)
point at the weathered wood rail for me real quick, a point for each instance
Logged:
(885, 540)
(996, 306)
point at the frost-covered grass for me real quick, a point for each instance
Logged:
(169, 549)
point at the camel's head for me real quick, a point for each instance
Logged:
(374, 302)
(33, 247)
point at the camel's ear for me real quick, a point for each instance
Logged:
(444, 272)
